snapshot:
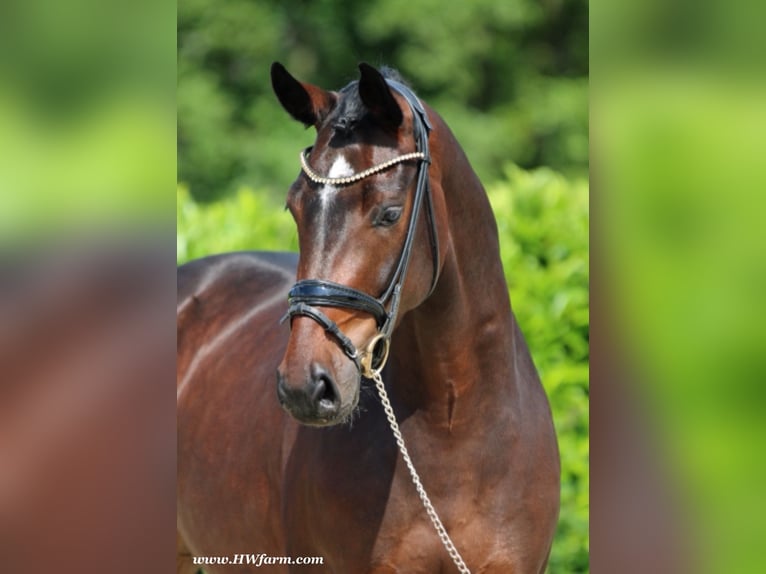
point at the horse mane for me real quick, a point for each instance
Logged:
(392, 74)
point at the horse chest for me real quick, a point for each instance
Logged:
(356, 505)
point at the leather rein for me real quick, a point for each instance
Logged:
(308, 294)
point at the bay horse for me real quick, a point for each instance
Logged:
(400, 283)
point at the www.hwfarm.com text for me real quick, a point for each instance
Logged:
(257, 560)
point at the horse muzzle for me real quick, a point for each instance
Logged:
(317, 399)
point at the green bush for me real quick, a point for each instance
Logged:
(245, 220)
(543, 223)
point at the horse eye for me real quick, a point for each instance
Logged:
(389, 216)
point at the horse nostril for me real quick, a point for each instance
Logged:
(319, 390)
(324, 393)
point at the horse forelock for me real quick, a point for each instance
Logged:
(350, 109)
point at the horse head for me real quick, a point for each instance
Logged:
(368, 220)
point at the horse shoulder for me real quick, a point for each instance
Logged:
(229, 340)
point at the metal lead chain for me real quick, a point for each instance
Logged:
(440, 530)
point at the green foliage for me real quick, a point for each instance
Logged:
(543, 224)
(509, 76)
(542, 218)
(246, 220)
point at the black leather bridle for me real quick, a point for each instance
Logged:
(308, 294)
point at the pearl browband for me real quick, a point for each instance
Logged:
(313, 176)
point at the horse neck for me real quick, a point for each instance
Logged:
(459, 343)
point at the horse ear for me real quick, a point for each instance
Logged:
(377, 97)
(304, 102)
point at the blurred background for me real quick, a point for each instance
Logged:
(678, 395)
(87, 115)
(87, 286)
(510, 77)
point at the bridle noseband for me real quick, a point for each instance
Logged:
(308, 294)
